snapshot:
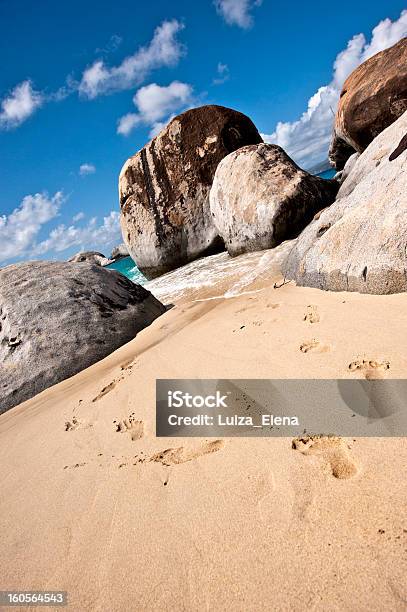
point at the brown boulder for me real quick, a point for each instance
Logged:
(339, 152)
(164, 188)
(372, 98)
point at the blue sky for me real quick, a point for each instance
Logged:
(73, 108)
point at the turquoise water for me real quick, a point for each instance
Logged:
(127, 267)
(327, 174)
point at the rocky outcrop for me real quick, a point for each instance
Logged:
(360, 242)
(372, 98)
(57, 318)
(339, 152)
(91, 257)
(164, 188)
(119, 252)
(260, 197)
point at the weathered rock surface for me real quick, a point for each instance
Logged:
(57, 318)
(349, 166)
(91, 257)
(164, 188)
(119, 252)
(372, 98)
(360, 242)
(260, 197)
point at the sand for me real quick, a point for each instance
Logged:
(94, 504)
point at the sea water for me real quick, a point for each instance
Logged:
(327, 174)
(127, 267)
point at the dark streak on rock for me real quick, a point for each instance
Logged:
(151, 195)
(400, 149)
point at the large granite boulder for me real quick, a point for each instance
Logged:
(360, 242)
(164, 188)
(119, 252)
(372, 98)
(91, 257)
(57, 318)
(260, 197)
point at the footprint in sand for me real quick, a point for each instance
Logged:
(135, 428)
(129, 365)
(332, 450)
(77, 465)
(371, 368)
(74, 424)
(312, 315)
(175, 456)
(314, 346)
(105, 391)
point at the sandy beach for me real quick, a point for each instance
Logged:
(92, 504)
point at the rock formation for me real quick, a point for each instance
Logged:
(164, 188)
(119, 252)
(339, 152)
(91, 257)
(57, 318)
(260, 198)
(372, 98)
(360, 242)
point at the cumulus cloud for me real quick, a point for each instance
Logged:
(23, 101)
(19, 229)
(307, 139)
(163, 50)
(154, 103)
(85, 169)
(223, 74)
(237, 12)
(19, 105)
(85, 237)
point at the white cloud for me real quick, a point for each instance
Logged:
(163, 50)
(113, 44)
(19, 230)
(307, 139)
(70, 86)
(154, 103)
(127, 123)
(237, 12)
(19, 105)
(223, 74)
(86, 237)
(85, 169)
(23, 101)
